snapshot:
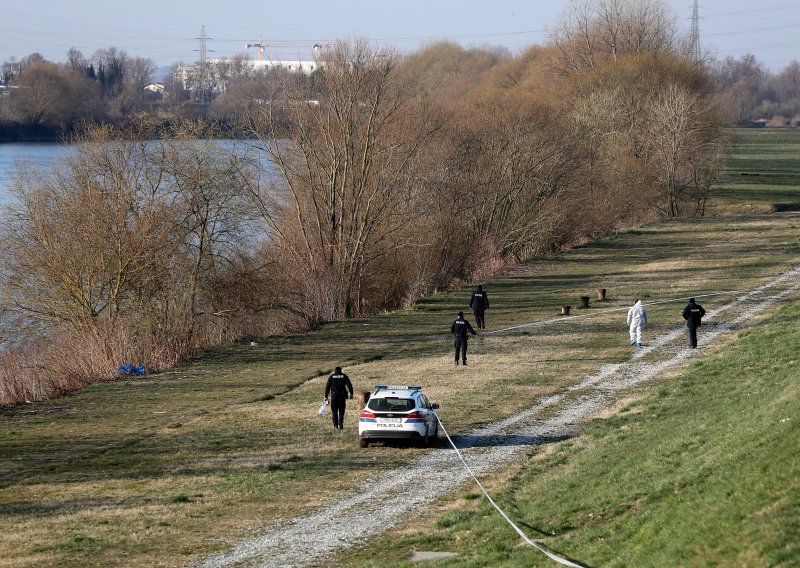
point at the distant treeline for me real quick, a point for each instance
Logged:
(361, 188)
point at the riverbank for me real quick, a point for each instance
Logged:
(30, 133)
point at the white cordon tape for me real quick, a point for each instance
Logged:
(533, 543)
(571, 318)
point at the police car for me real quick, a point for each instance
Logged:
(396, 413)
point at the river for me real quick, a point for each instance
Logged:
(45, 154)
(37, 154)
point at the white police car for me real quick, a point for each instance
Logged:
(398, 412)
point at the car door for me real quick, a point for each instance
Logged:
(430, 418)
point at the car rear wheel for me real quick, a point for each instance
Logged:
(363, 442)
(424, 440)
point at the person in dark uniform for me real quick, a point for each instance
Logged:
(693, 313)
(479, 303)
(460, 328)
(337, 388)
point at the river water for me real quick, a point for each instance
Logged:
(43, 155)
(36, 154)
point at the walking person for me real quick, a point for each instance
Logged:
(337, 388)
(460, 328)
(637, 320)
(479, 303)
(693, 314)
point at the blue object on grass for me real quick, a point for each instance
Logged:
(128, 369)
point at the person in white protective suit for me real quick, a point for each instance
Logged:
(637, 320)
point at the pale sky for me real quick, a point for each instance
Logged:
(167, 30)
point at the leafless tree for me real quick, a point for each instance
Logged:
(131, 232)
(510, 157)
(445, 70)
(741, 83)
(31, 59)
(75, 60)
(591, 31)
(683, 147)
(41, 96)
(346, 174)
(52, 96)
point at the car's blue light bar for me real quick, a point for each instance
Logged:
(397, 387)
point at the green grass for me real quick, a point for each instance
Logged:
(762, 172)
(163, 469)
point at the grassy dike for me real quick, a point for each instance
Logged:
(702, 469)
(161, 470)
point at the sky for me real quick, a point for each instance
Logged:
(169, 30)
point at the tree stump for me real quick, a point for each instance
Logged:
(565, 309)
(584, 301)
(601, 294)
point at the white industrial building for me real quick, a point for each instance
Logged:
(218, 74)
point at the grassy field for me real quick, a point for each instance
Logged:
(160, 470)
(761, 172)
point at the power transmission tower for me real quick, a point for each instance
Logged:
(202, 64)
(695, 33)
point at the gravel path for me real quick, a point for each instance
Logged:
(348, 521)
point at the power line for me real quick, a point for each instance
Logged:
(753, 11)
(769, 29)
(762, 47)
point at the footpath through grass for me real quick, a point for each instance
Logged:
(161, 470)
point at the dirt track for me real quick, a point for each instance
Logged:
(351, 520)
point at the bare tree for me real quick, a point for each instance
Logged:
(510, 157)
(787, 82)
(741, 83)
(41, 96)
(139, 73)
(112, 67)
(55, 97)
(130, 234)
(206, 190)
(591, 31)
(683, 147)
(76, 61)
(31, 59)
(346, 174)
(445, 70)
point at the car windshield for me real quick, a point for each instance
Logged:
(391, 404)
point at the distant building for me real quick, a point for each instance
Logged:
(218, 74)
